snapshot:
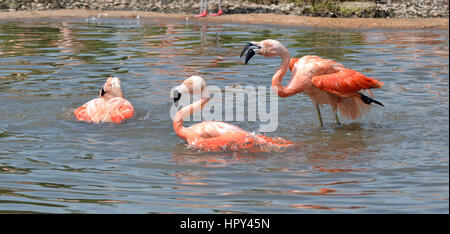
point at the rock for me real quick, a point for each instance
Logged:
(379, 8)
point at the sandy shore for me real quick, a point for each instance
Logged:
(256, 19)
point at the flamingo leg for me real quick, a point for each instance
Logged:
(203, 9)
(319, 116)
(219, 11)
(336, 117)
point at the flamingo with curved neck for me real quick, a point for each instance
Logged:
(323, 80)
(213, 135)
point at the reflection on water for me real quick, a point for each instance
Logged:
(393, 160)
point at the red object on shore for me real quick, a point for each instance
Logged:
(203, 14)
(204, 9)
(217, 14)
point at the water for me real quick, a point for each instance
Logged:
(395, 160)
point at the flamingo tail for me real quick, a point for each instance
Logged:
(369, 100)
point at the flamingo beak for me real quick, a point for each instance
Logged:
(250, 52)
(177, 92)
(102, 92)
(176, 96)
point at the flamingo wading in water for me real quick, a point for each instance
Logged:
(323, 80)
(109, 107)
(212, 135)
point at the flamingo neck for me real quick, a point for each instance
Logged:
(180, 130)
(279, 74)
(110, 95)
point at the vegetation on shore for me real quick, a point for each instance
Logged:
(324, 8)
(366, 8)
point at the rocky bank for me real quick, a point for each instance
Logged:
(372, 9)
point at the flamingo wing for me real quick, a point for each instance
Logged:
(91, 111)
(121, 112)
(243, 141)
(81, 114)
(97, 110)
(213, 129)
(228, 141)
(345, 82)
(220, 136)
(292, 63)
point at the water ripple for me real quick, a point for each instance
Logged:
(395, 160)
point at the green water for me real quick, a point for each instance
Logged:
(394, 160)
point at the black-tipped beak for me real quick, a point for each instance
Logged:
(176, 96)
(250, 52)
(245, 49)
(102, 92)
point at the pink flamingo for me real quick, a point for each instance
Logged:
(216, 136)
(204, 9)
(323, 80)
(109, 107)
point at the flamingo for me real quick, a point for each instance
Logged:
(323, 80)
(204, 9)
(109, 107)
(212, 135)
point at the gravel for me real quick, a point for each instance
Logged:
(382, 8)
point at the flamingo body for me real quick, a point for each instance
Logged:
(217, 136)
(323, 80)
(220, 136)
(109, 107)
(332, 77)
(100, 110)
(329, 82)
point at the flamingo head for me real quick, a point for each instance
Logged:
(192, 85)
(111, 88)
(266, 48)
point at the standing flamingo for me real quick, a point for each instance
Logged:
(323, 80)
(204, 9)
(109, 107)
(216, 136)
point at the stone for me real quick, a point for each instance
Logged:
(379, 8)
